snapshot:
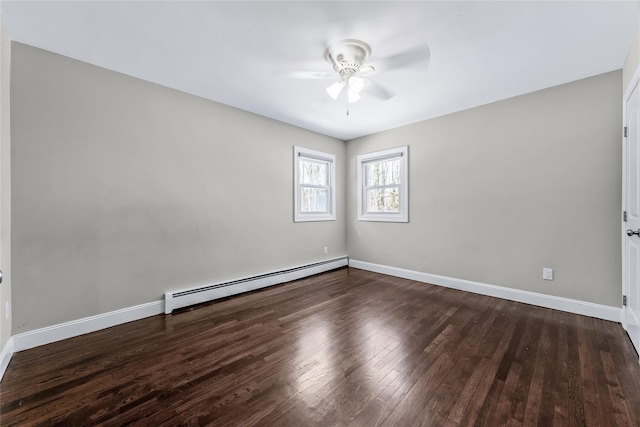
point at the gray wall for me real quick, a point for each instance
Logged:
(124, 190)
(5, 183)
(500, 191)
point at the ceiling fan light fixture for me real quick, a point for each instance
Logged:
(352, 96)
(335, 89)
(354, 87)
(356, 84)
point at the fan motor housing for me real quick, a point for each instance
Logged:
(347, 56)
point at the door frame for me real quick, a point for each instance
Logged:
(635, 81)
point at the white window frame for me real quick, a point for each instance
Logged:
(364, 159)
(305, 153)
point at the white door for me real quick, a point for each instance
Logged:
(631, 228)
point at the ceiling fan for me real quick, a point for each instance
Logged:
(348, 58)
(349, 61)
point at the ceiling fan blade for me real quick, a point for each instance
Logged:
(420, 54)
(379, 91)
(298, 74)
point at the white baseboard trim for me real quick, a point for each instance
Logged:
(49, 334)
(205, 293)
(584, 308)
(5, 356)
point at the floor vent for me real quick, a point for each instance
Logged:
(179, 299)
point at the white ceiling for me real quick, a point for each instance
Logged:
(235, 52)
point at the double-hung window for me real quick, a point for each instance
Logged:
(314, 187)
(383, 186)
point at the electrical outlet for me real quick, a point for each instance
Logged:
(326, 250)
(547, 273)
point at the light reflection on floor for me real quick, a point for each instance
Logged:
(322, 349)
(314, 363)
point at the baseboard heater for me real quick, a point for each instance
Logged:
(184, 298)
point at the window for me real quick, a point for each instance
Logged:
(314, 176)
(383, 186)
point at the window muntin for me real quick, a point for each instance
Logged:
(314, 185)
(383, 186)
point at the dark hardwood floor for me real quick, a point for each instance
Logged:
(346, 348)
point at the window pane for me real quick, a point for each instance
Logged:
(314, 199)
(313, 173)
(383, 200)
(386, 172)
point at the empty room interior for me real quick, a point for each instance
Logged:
(320, 213)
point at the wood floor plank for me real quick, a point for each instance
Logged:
(345, 348)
